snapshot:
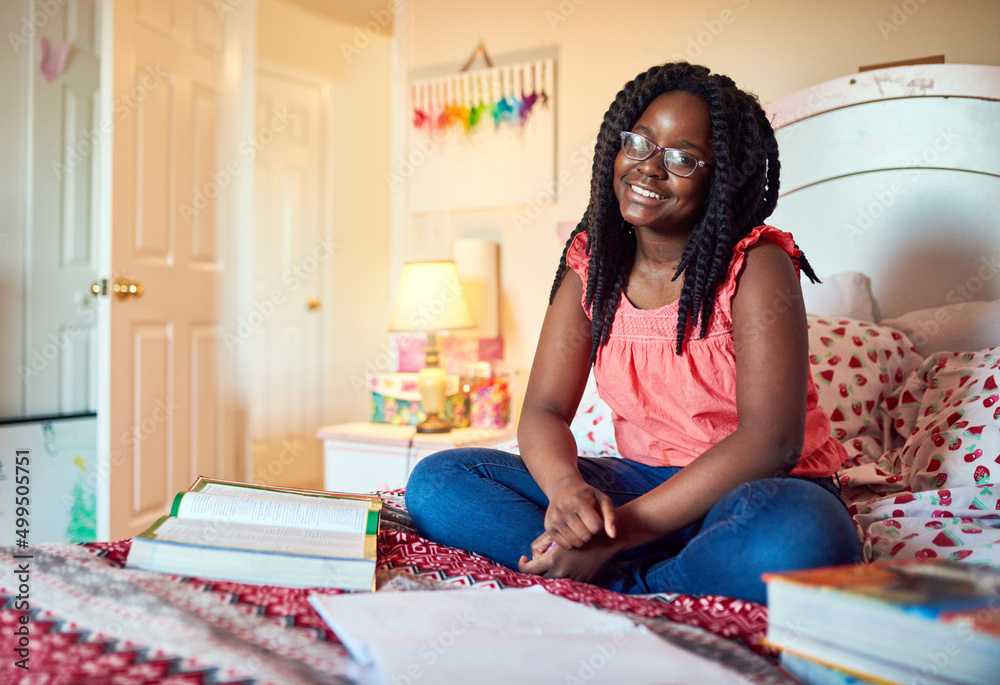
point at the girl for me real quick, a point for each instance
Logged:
(690, 312)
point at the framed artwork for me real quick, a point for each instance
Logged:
(482, 139)
(59, 459)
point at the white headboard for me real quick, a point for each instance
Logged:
(896, 173)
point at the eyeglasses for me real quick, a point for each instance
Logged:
(678, 162)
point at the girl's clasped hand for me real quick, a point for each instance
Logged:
(577, 514)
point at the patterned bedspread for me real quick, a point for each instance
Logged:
(92, 621)
(930, 494)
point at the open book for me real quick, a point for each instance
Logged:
(266, 535)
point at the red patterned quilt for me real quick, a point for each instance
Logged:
(89, 620)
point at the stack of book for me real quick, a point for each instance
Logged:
(246, 533)
(911, 622)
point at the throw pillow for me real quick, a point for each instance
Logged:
(855, 366)
(952, 328)
(846, 295)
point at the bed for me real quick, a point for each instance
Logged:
(891, 185)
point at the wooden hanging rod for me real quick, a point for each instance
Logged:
(480, 51)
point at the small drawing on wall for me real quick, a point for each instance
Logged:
(61, 456)
(482, 139)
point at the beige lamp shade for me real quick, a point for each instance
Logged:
(430, 298)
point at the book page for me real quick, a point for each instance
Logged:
(227, 487)
(278, 496)
(279, 509)
(264, 491)
(310, 542)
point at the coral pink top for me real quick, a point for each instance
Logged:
(667, 408)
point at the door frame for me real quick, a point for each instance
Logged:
(104, 182)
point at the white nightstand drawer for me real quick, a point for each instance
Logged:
(364, 457)
(361, 467)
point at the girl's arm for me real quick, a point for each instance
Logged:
(558, 376)
(769, 328)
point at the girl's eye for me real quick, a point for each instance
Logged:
(640, 144)
(682, 158)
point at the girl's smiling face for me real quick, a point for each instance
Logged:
(649, 195)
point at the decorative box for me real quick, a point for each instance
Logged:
(396, 400)
(489, 395)
(456, 352)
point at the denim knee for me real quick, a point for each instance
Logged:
(805, 525)
(443, 479)
(426, 481)
(476, 499)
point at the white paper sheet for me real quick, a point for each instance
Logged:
(502, 637)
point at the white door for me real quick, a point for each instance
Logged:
(292, 251)
(172, 399)
(58, 368)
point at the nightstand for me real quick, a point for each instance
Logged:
(364, 456)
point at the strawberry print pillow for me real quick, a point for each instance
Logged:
(939, 497)
(949, 412)
(855, 366)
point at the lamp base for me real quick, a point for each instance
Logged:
(433, 424)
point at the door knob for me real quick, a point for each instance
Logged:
(314, 303)
(125, 288)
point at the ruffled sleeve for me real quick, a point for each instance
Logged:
(578, 260)
(577, 257)
(785, 240)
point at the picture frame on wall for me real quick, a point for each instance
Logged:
(483, 138)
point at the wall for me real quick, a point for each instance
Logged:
(770, 47)
(359, 66)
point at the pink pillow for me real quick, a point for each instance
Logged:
(855, 366)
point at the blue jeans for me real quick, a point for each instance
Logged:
(485, 501)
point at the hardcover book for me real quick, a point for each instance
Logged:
(900, 622)
(246, 533)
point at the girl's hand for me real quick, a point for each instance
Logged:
(542, 544)
(576, 513)
(575, 564)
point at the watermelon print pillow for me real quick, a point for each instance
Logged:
(591, 427)
(855, 366)
(936, 495)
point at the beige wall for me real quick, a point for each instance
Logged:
(770, 47)
(359, 301)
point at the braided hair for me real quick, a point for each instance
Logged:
(743, 192)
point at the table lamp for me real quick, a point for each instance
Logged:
(431, 299)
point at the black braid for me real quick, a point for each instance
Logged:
(742, 194)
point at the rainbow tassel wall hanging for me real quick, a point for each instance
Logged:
(498, 97)
(481, 139)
